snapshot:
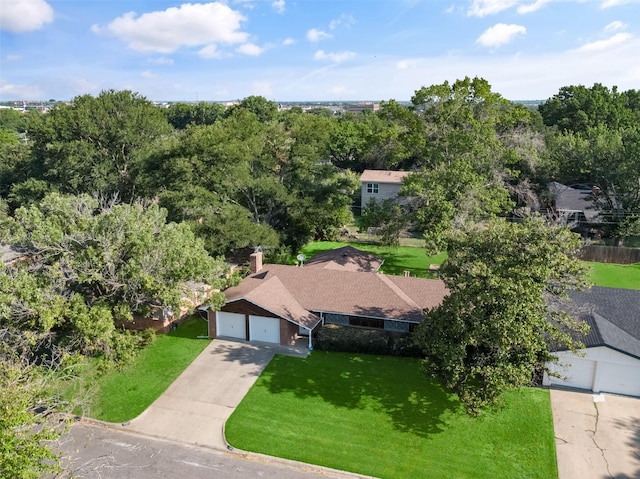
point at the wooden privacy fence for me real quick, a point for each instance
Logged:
(611, 254)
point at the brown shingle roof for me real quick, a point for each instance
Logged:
(272, 295)
(383, 176)
(339, 291)
(346, 258)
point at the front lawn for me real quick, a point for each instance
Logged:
(397, 259)
(121, 395)
(615, 275)
(380, 416)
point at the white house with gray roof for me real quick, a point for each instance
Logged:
(610, 361)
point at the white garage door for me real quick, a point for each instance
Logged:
(578, 375)
(619, 378)
(264, 329)
(231, 325)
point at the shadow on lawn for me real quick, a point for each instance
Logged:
(414, 403)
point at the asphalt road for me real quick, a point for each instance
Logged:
(95, 452)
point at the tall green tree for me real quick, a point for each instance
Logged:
(577, 108)
(464, 162)
(264, 109)
(96, 145)
(492, 332)
(181, 115)
(32, 414)
(91, 263)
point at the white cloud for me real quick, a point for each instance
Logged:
(613, 3)
(481, 8)
(315, 35)
(344, 21)
(278, 6)
(20, 92)
(500, 34)
(613, 26)
(601, 45)
(17, 16)
(148, 74)
(13, 58)
(161, 61)
(250, 49)
(191, 24)
(336, 57)
(210, 51)
(405, 64)
(288, 41)
(532, 7)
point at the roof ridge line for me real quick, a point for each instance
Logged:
(398, 291)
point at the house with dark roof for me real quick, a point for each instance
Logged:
(574, 207)
(610, 361)
(278, 303)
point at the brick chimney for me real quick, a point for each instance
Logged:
(256, 261)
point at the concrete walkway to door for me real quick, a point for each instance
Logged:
(195, 407)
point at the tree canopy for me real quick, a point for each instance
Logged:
(596, 141)
(92, 263)
(492, 333)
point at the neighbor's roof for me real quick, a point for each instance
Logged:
(613, 314)
(383, 176)
(339, 291)
(346, 258)
(574, 199)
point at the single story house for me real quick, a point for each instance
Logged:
(381, 185)
(610, 361)
(573, 207)
(278, 303)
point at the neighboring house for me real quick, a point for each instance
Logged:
(346, 258)
(163, 319)
(278, 303)
(574, 207)
(381, 185)
(610, 361)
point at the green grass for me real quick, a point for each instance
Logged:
(397, 259)
(615, 275)
(380, 416)
(121, 395)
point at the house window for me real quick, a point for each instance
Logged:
(366, 322)
(372, 188)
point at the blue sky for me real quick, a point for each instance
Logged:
(317, 50)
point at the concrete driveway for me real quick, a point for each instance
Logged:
(194, 408)
(597, 435)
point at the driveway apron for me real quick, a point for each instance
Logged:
(195, 407)
(597, 435)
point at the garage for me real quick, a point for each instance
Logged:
(620, 378)
(231, 325)
(262, 328)
(598, 369)
(574, 371)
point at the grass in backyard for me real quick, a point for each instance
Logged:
(121, 395)
(396, 258)
(616, 275)
(380, 416)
